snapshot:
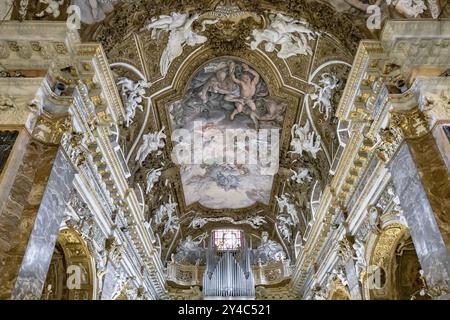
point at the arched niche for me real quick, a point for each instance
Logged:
(393, 266)
(71, 261)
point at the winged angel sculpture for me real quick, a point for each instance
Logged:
(166, 212)
(322, 98)
(304, 140)
(288, 219)
(133, 94)
(151, 142)
(179, 27)
(287, 32)
(301, 176)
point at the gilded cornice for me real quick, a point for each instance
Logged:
(366, 50)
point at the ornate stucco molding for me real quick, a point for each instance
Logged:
(103, 172)
(412, 122)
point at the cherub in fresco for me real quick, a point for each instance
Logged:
(247, 87)
(220, 83)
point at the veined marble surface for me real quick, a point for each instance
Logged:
(430, 247)
(33, 271)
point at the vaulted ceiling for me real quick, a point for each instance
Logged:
(185, 83)
(226, 195)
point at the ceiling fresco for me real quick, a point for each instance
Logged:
(226, 101)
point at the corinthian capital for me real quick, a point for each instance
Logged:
(413, 122)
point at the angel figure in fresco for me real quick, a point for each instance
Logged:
(247, 87)
(220, 83)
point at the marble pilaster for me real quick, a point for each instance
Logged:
(20, 206)
(346, 254)
(352, 279)
(418, 211)
(33, 270)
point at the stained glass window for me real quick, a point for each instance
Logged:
(227, 239)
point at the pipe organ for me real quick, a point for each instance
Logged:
(228, 273)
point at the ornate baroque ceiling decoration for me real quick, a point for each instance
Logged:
(290, 68)
(131, 17)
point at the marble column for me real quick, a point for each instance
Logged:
(33, 270)
(420, 179)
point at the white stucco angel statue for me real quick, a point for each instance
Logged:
(283, 224)
(299, 135)
(179, 26)
(286, 32)
(301, 176)
(152, 177)
(312, 144)
(171, 226)
(302, 139)
(283, 202)
(322, 98)
(166, 209)
(51, 9)
(133, 93)
(151, 142)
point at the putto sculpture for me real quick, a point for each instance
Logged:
(166, 212)
(283, 202)
(322, 98)
(179, 27)
(302, 139)
(151, 143)
(152, 177)
(290, 34)
(286, 218)
(301, 176)
(133, 94)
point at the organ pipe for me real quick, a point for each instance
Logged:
(228, 273)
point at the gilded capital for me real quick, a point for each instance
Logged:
(413, 122)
